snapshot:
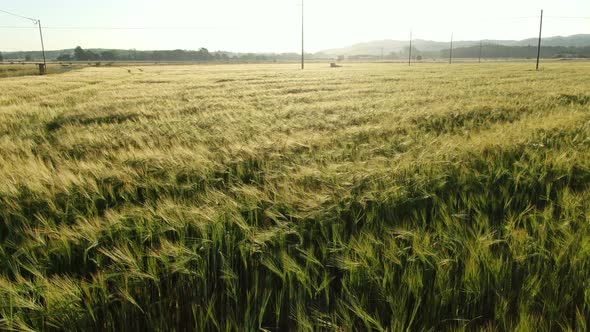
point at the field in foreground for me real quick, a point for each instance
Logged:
(369, 197)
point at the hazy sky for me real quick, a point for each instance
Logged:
(274, 25)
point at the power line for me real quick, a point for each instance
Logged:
(17, 15)
(203, 27)
(483, 19)
(122, 28)
(38, 23)
(506, 18)
(570, 17)
(15, 27)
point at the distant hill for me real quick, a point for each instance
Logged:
(581, 40)
(374, 48)
(571, 46)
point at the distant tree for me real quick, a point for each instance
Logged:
(406, 51)
(109, 55)
(132, 54)
(156, 56)
(1, 57)
(340, 58)
(64, 57)
(91, 56)
(225, 57)
(203, 54)
(393, 55)
(80, 54)
(419, 58)
(28, 58)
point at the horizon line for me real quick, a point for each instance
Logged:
(295, 52)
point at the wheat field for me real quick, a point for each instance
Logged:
(264, 198)
(29, 69)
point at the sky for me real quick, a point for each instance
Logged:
(275, 25)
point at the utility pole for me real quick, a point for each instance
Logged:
(410, 56)
(451, 51)
(540, 35)
(35, 21)
(480, 50)
(302, 37)
(42, 44)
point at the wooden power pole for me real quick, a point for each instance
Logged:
(539, 46)
(42, 43)
(451, 51)
(410, 56)
(302, 37)
(38, 22)
(480, 50)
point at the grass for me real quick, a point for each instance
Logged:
(259, 197)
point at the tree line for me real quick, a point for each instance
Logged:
(501, 51)
(496, 51)
(201, 55)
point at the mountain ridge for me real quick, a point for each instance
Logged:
(370, 48)
(388, 46)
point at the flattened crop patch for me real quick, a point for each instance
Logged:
(566, 99)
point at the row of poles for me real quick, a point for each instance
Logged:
(38, 22)
(411, 38)
(481, 46)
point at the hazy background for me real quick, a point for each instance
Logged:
(274, 25)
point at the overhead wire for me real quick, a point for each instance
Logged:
(21, 16)
(121, 28)
(571, 17)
